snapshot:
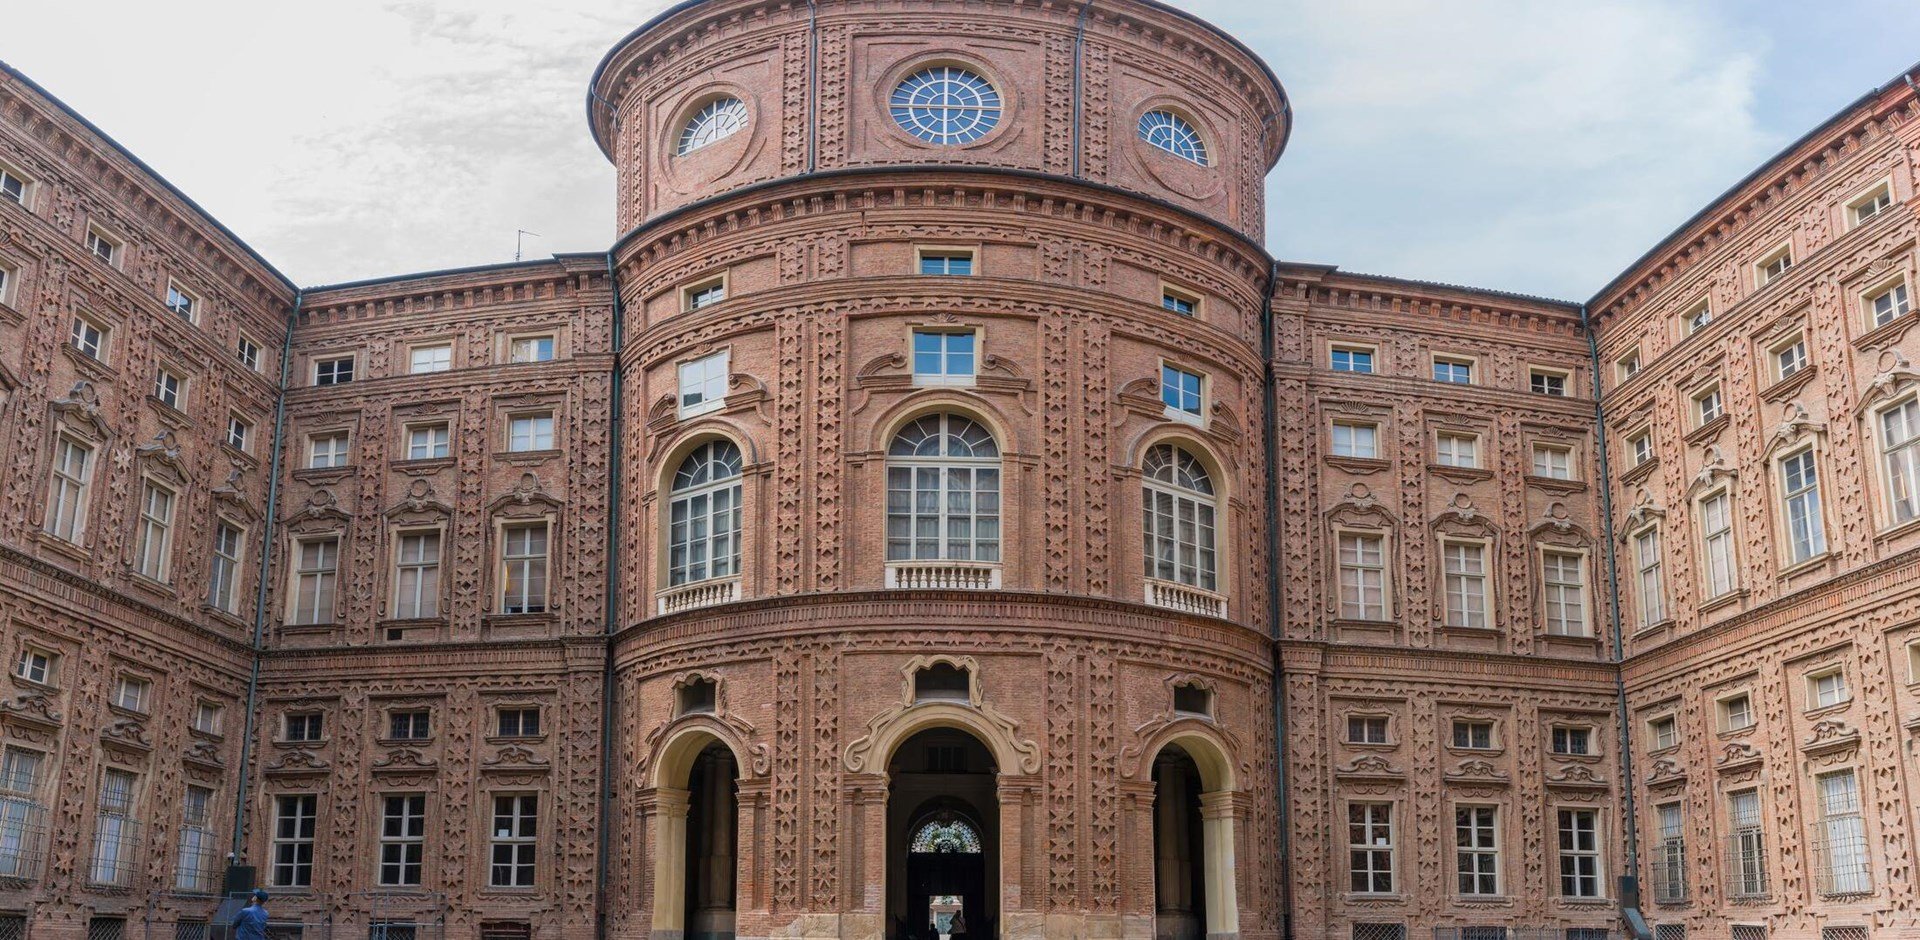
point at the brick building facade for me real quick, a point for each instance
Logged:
(937, 490)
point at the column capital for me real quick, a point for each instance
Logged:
(1221, 804)
(662, 801)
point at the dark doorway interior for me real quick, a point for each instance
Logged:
(1179, 857)
(711, 833)
(942, 835)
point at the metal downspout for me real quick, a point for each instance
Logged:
(813, 87)
(608, 706)
(1629, 882)
(262, 589)
(1274, 586)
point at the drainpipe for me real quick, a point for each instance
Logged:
(262, 591)
(609, 709)
(1629, 883)
(813, 105)
(1274, 583)
(1079, 49)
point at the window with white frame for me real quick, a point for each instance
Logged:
(248, 353)
(1870, 206)
(715, 121)
(516, 825)
(943, 357)
(1179, 508)
(206, 717)
(103, 246)
(523, 564)
(1352, 359)
(315, 574)
(1843, 850)
(1747, 848)
(1628, 365)
(153, 543)
(293, 832)
(1356, 439)
(303, 726)
(1564, 587)
(1827, 688)
(1179, 301)
(13, 186)
(1465, 567)
(223, 574)
(1696, 319)
(37, 666)
(170, 389)
(703, 383)
(416, 581)
(1773, 266)
(1477, 849)
(1664, 732)
(1900, 449)
(1472, 734)
(8, 279)
(88, 338)
(1716, 545)
(1790, 358)
(1640, 446)
(518, 722)
(1453, 449)
(1367, 729)
(1363, 576)
(68, 489)
(1370, 848)
(131, 692)
(1570, 741)
(410, 724)
(1707, 406)
(196, 860)
(1888, 305)
(1650, 581)
(333, 370)
(180, 302)
(403, 831)
(530, 348)
(238, 431)
(1736, 712)
(1800, 494)
(1181, 391)
(1174, 134)
(943, 491)
(946, 262)
(1669, 854)
(1553, 461)
(427, 441)
(530, 432)
(1453, 370)
(434, 357)
(704, 513)
(1579, 853)
(704, 294)
(1547, 382)
(326, 451)
(116, 832)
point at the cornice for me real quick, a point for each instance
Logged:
(1328, 659)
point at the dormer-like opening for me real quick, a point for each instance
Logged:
(1191, 699)
(697, 697)
(942, 682)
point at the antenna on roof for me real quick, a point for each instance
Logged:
(518, 235)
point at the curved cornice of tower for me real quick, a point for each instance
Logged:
(1760, 195)
(683, 22)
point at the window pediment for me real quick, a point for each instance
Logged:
(528, 499)
(81, 406)
(420, 505)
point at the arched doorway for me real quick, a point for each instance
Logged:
(1179, 848)
(712, 815)
(942, 835)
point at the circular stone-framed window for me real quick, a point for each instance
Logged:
(717, 120)
(1168, 131)
(946, 105)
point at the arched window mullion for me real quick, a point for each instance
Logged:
(704, 515)
(1179, 519)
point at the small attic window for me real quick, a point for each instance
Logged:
(1190, 699)
(941, 682)
(698, 697)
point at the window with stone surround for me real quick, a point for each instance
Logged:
(704, 515)
(1477, 849)
(1370, 848)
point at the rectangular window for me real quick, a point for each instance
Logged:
(1628, 365)
(168, 388)
(68, 489)
(1465, 565)
(1790, 359)
(704, 294)
(1774, 265)
(1868, 207)
(1363, 577)
(1697, 319)
(1669, 854)
(131, 693)
(303, 726)
(20, 771)
(293, 831)
(196, 863)
(403, 831)
(181, 303)
(37, 666)
(315, 574)
(1800, 489)
(411, 725)
(116, 834)
(519, 722)
(154, 542)
(530, 349)
(1642, 448)
(1370, 848)
(1575, 742)
(1736, 713)
(248, 352)
(1454, 371)
(1747, 848)
(1842, 851)
(1900, 443)
(334, 370)
(703, 384)
(1356, 440)
(1564, 579)
(1548, 383)
(13, 187)
(1180, 390)
(1476, 842)
(206, 717)
(417, 576)
(943, 356)
(238, 430)
(1707, 407)
(427, 442)
(1457, 450)
(1889, 305)
(1650, 581)
(1473, 735)
(1716, 543)
(1579, 853)
(946, 262)
(1366, 729)
(7, 279)
(1179, 302)
(1665, 732)
(530, 432)
(515, 831)
(1828, 688)
(1352, 359)
(435, 358)
(89, 339)
(524, 569)
(326, 451)
(102, 246)
(1553, 461)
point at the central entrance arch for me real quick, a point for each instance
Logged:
(943, 838)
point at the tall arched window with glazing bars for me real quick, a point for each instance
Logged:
(1178, 524)
(943, 491)
(703, 539)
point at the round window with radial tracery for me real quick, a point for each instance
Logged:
(1174, 134)
(946, 105)
(718, 120)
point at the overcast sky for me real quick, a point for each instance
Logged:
(1524, 145)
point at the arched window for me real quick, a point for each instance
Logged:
(946, 105)
(720, 119)
(946, 833)
(1172, 133)
(704, 533)
(1178, 530)
(943, 491)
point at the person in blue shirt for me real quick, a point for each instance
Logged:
(251, 922)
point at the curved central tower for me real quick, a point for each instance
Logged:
(943, 528)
